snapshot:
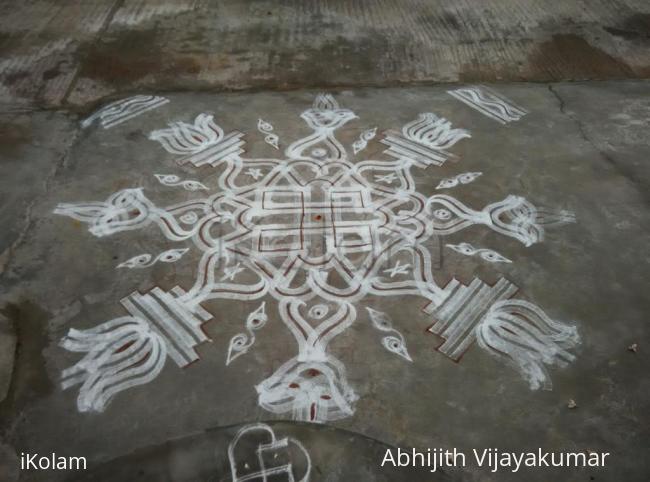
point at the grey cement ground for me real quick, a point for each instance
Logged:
(582, 147)
(78, 52)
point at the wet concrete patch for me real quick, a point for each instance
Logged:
(634, 27)
(570, 56)
(133, 56)
(356, 63)
(37, 69)
(9, 463)
(7, 353)
(355, 45)
(30, 381)
(13, 136)
(29, 155)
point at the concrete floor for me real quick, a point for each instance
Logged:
(581, 147)
(79, 52)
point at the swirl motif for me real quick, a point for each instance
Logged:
(267, 129)
(361, 143)
(173, 180)
(487, 254)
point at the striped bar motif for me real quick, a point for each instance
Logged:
(178, 326)
(458, 315)
(231, 146)
(489, 103)
(402, 148)
(125, 109)
(134, 110)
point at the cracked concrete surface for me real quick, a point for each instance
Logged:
(7, 354)
(42, 137)
(583, 147)
(79, 52)
(593, 272)
(620, 140)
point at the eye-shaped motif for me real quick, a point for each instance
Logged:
(239, 344)
(463, 248)
(464, 178)
(256, 322)
(172, 180)
(493, 256)
(447, 183)
(264, 126)
(487, 254)
(369, 134)
(189, 218)
(318, 311)
(273, 140)
(167, 178)
(172, 255)
(194, 186)
(139, 261)
(318, 152)
(380, 319)
(239, 341)
(468, 177)
(397, 346)
(145, 260)
(442, 214)
(257, 319)
(124, 199)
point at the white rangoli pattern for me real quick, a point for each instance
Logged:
(318, 233)
(241, 342)
(464, 178)
(269, 136)
(257, 454)
(487, 254)
(123, 110)
(394, 342)
(172, 180)
(146, 260)
(365, 137)
(489, 103)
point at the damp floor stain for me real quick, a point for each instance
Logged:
(30, 380)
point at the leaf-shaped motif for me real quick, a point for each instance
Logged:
(167, 179)
(189, 218)
(361, 143)
(171, 255)
(194, 186)
(380, 320)
(257, 319)
(239, 344)
(468, 177)
(317, 312)
(447, 183)
(264, 126)
(464, 178)
(272, 140)
(493, 256)
(463, 248)
(139, 261)
(397, 346)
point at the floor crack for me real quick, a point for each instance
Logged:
(604, 154)
(6, 257)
